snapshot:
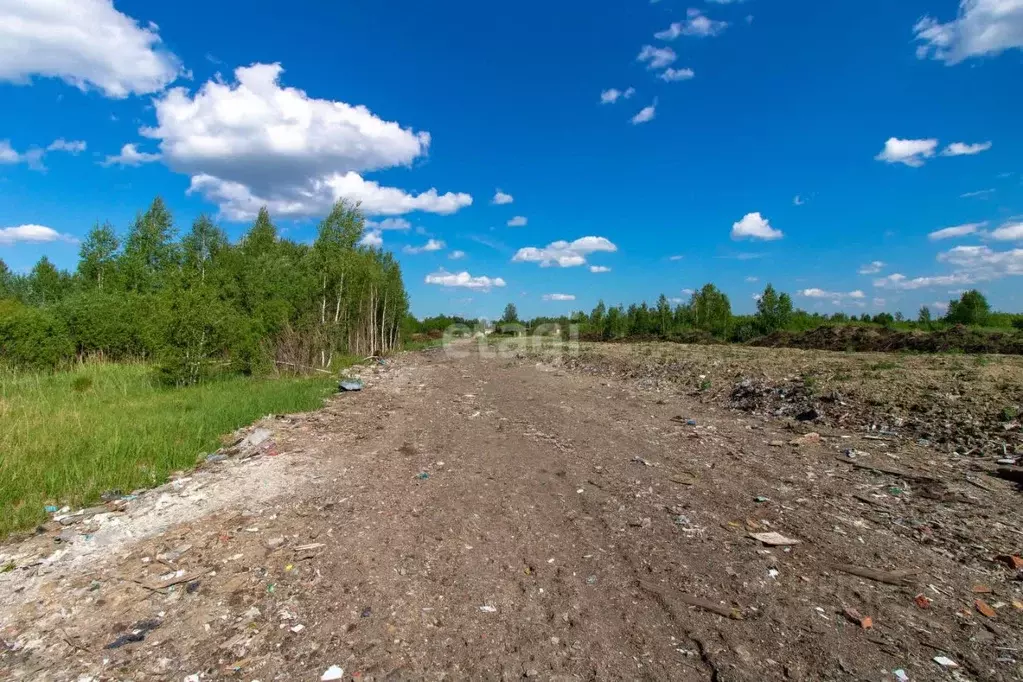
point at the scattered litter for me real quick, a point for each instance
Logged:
(812, 438)
(981, 589)
(761, 498)
(923, 601)
(50, 509)
(274, 543)
(310, 546)
(640, 460)
(350, 385)
(945, 662)
(334, 672)
(194, 677)
(298, 628)
(216, 457)
(487, 608)
(773, 539)
(865, 622)
(888, 577)
(1010, 560)
(984, 608)
(366, 612)
(853, 453)
(591, 580)
(773, 573)
(422, 475)
(137, 633)
(900, 675)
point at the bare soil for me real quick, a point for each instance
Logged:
(532, 515)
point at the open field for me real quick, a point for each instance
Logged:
(557, 517)
(68, 437)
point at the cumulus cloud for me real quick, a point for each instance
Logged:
(656, 57)
(696, 24)
(130, 156)
(982, 27)
(798, 201)
(389, 224)
(688, 292)
(834, 295)
(901, 282)
(751, 279)
(645, 114)
(670, 75)
(983, 263)
(456, 255)
(871, 268)
(430, 245)
(518, 221)
(564, 254)
(33, 158)
(501, 198)
(254, 142)
(599, 268)
(955, 231)
(755, 226)
(1008, 232)
(86, 43)
(464, 280)
(372, 238)
(611, 95)
(964, 149)
(73, 147)
(909, 152)
(32, 234)
(559, 297)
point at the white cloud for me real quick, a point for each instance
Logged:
(983, 27)
(978, 193)
(611, 95)
(254, 142)
(372, 238)
(86, 43)
(752, 279)
(130, 156)
(878, 302)
(73, 147)
(645, 114)
(559, 297)
(696, 24)
(757, 297)
(464, 280)
(501, 198)
(688, 292)
(755, 226)
(964, 149)
(941, 306)
(798, 201)
(564, 254)
(955, 231)
(908, 152)
(456, 255)
(983, 263)
(518, 221)
(834, 295)
(389, 224)
(32, 234)
(871, 268)
(656, 57)
(901, 282)
(33, 158)
(676, 300)
(430, 245)
(7, 153)
(599, 268)
(1008, 232)
(670, 75)
(676, 257)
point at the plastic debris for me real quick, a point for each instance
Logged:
(865, 622)
(761, 498)
(923, 601)
(1011, 561)
(900, 675)
(773, 539)
(422, 475)
(334, 672)
(298, 628)
(350, 385)
(194, 677)
(487, 608)
(50, 509)
(591, 580)
(366, 612)
(216, 457)
(639, 460)
(945, 662)
(984, 608)
(137, 633)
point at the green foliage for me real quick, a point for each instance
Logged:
(98, 257)
(32, 337)
(511, 313)
(773, 311)
(972, 309)
(712, 311)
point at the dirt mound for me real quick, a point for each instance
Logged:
(879, 339)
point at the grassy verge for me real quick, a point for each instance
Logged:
(67, 437)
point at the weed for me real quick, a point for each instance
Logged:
(705, 385)
(884, 365)
(119, 429)
(1009, 413)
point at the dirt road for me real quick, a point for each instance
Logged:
(496, 517)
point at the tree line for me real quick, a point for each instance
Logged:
(708, 312)
(200, 305)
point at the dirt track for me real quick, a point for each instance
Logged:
(567, 528)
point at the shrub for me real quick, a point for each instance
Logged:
(32, 337)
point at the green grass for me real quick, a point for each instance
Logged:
(67, 437)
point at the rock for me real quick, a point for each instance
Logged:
(812, 438)
(274, 543)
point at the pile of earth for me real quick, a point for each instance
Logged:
(881, 339)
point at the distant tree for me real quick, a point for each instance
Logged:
(511, 313)
(149, 250)
(98, 256)
(45, 282)
(6, 280)
(972, 308)
(865, 317)
(924, 317)
(663, 316)
(884, 319)
(712, 310)
(773, 310)
(202, 245)
(262, 236)
(899, 317)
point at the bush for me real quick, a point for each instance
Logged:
(32, 337)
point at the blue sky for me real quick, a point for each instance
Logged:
(649, 147)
